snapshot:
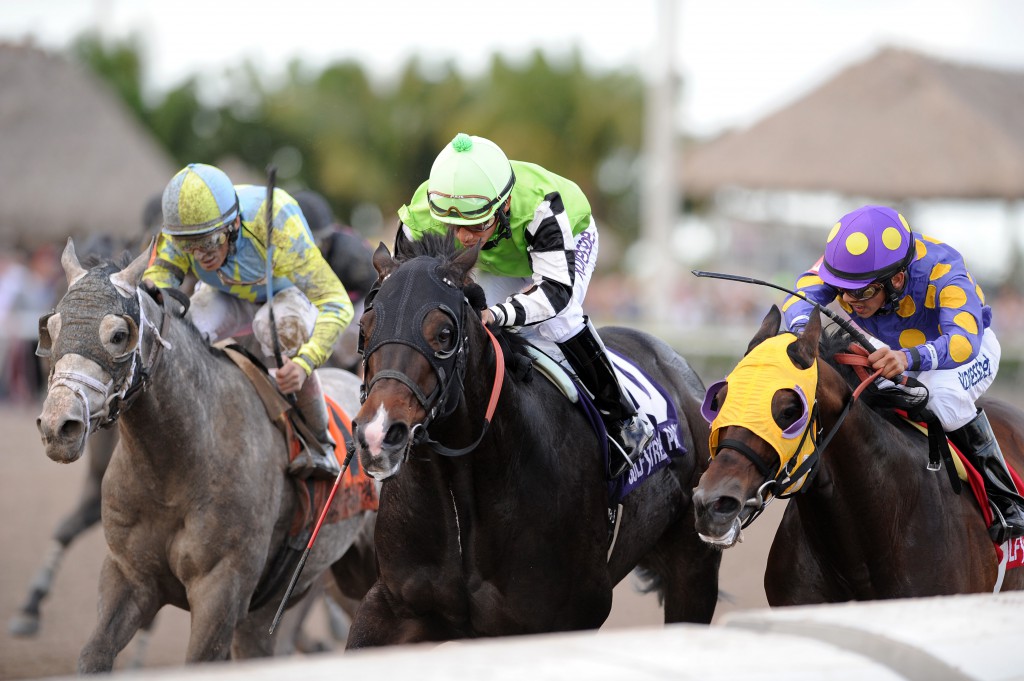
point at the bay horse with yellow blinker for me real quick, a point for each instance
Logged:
(866, 519)
(494, 509)
(197, 506)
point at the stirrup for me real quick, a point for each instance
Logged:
(1001, 530)
(633, 437)
(311, 464)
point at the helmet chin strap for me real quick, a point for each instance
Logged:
(892, 294)
(504, 230)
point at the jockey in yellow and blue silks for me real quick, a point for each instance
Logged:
(915, 295)
(218, 232)
(539, 241)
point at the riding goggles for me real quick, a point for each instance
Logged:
(473, 205)
(863, 293)
(206, 243)
(479, 228)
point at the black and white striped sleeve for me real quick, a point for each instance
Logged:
(551, 247)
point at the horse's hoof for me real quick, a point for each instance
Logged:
(23, 625)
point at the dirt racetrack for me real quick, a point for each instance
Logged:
(36, 493)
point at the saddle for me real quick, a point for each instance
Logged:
(357, 490)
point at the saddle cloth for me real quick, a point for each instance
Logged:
(653, 404)
(357, 491)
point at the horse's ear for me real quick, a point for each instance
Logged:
(73, 269)
(770, 326)
(463, 263)
(804, 350)
(383, 262)
(128, 279)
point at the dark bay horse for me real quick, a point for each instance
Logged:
(869, 521)
(498, 524)
(196, 502)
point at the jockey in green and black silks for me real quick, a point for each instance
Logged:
(539, 246)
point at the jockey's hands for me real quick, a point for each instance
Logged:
(486, 317)
(290, 376)
(891, 362)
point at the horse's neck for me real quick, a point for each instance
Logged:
(865, 473)
(184, 378)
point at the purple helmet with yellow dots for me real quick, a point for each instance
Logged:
(870, 244)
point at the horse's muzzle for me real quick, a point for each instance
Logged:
(718, 520)
(382, 445)
(63, 438)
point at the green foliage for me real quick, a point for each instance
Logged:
(359, 141)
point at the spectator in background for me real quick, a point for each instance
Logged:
(351, 258)
(29, 286)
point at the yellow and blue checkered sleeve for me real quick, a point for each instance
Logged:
(297, 258)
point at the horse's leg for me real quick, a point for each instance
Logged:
(377, 624)
(688, 568)
(141, 645)
(793, 575)
(217, 607)
(84, 516)
(122, 609)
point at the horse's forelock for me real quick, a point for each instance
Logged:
(443, 247)
(431, 244)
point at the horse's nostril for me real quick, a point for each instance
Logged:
(727, 506)
(70, 429)
(397, 435)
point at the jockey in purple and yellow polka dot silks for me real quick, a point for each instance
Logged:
(937, 318)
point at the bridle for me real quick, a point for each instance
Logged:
(129, 373)
(414, 300)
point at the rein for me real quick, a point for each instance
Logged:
(420, 435)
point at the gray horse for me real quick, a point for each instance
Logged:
(196, 502)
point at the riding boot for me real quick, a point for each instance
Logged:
(313, 410)
(978, 443)
(629, 432)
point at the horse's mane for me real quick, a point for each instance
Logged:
(834, 340)
(94, 260)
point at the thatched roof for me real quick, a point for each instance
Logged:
(899, 125)
(73, 159)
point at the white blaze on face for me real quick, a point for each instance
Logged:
(373, 432)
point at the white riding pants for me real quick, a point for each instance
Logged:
(953, 392)
(219, 315)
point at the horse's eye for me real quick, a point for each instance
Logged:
(119, 337)
(445, 336)
(788, 409)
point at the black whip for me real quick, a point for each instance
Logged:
(844, 324)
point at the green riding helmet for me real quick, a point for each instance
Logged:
(198, 200)
(469, 181)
